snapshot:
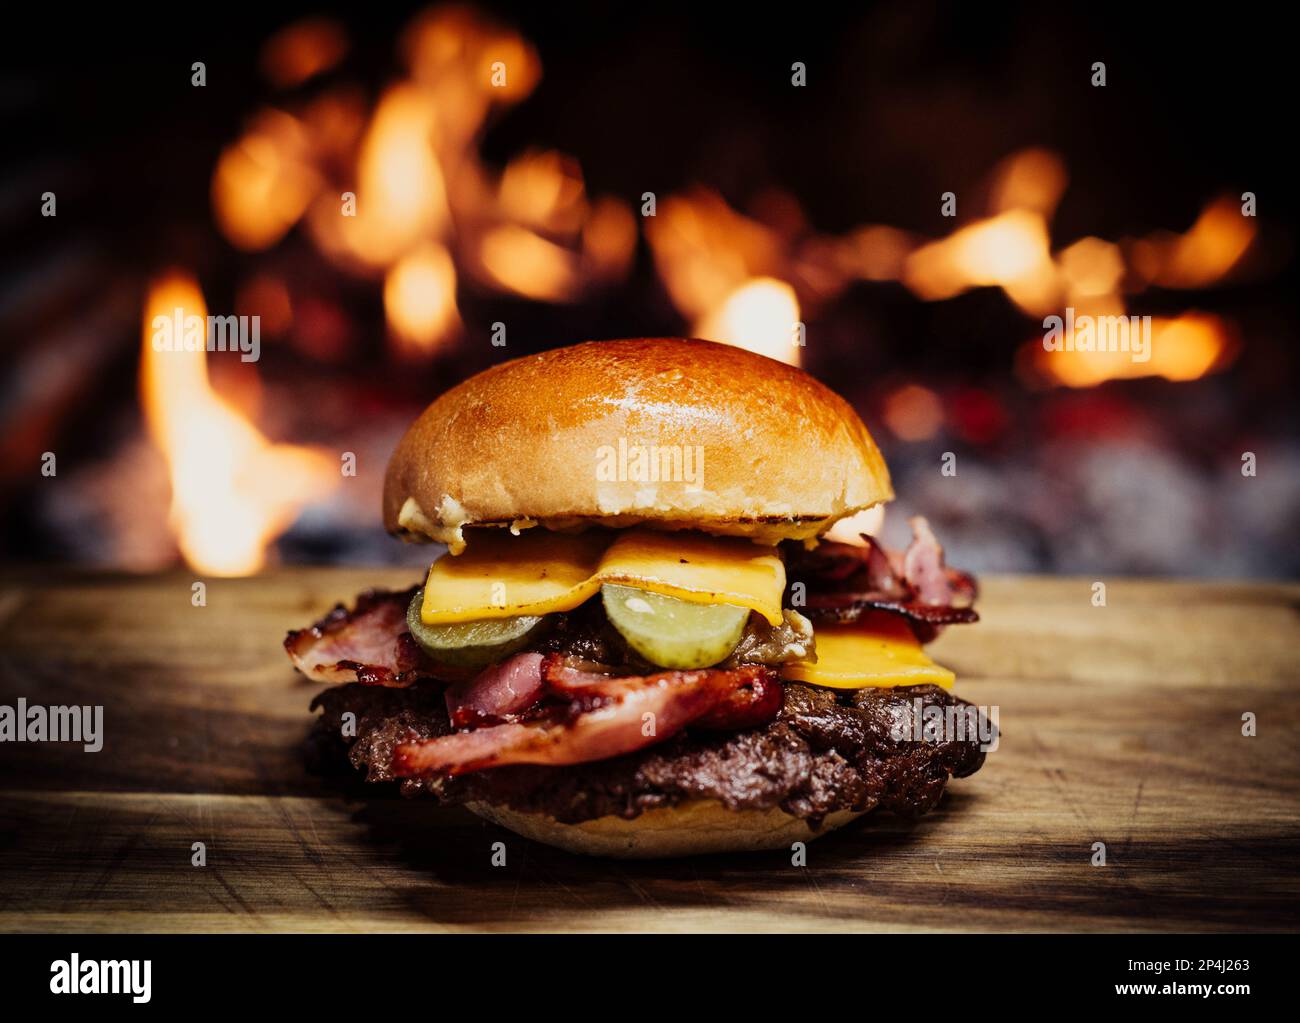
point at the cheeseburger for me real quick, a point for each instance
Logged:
(639, 641)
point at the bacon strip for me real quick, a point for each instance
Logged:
(755, 700)
(849, 607)
(368, 644)
(497, 692)
(835, 566)
(747, 706)
(625, 714)
(845, 580)
(923, 566)
(572, 677)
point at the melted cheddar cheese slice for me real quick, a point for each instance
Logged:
(540, 572)
(877, 650)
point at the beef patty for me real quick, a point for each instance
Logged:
(825, 751)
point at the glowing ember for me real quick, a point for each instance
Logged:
(724, 271)
(1010, 250)
(420, 299)
(875, 253)
(1185, 347)
(303, 50)
(762, 316)
(1204, 255)
(913, 412)
(233, 491)
(401, 194)
(266, 296)
(1090, 267)
(543, 190)
(263, 183)
(524, 262)
(1032, 179)
(704, 250)
(1189, 346)
(609, 239)
(457, 44)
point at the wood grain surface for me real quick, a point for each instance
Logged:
(1122, 725)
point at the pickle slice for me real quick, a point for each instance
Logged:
(470, 644)
(673, 633)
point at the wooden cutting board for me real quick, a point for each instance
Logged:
(1122, 725)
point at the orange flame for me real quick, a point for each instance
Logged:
(1011, 250)
(233, 491)
(609, 239)
(1184, 347)
(727, 272)
(1032, 179)
(401, 195)
(420, 299)
(762, 316)
(542, 190)
(704, 250)
(1091, 267)
(263, 183)
(303, 50)
(541, 237)
(524, 262)
(874, 253)
(457, 43)
(1204, 254)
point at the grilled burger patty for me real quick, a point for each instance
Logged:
(825, 751)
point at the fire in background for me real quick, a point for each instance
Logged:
(340, 187)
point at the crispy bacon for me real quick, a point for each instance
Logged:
(497, 692)
(569, 677)
(845, 580)
(849, 607)
(834, 566)
(585, 682)
(923, 566)
(368, 644)
(747, 706)
(754, 701)
(613, 716)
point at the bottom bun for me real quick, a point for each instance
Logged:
(692, 828)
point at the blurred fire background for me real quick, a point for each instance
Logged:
(517, 200)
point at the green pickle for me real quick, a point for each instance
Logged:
(673, 633)
(471, 644)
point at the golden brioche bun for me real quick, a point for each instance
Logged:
(689, 829)
(570, 438)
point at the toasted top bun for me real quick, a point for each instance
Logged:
(666, 432)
